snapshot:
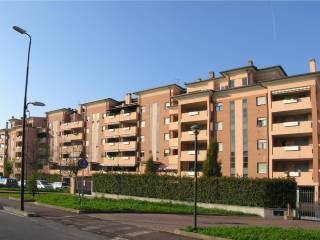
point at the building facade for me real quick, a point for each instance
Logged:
(266, 124)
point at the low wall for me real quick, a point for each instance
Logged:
(262, 212)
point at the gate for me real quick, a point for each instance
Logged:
(85, 185)
(308, 208)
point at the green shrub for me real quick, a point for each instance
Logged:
(48, 177)
(225, 190)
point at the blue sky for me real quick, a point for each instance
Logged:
(84, 51)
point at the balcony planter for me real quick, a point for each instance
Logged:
(291, 124)
(292, 148)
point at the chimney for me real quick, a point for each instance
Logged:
(211, 74)
(312, 65)
(128, 98)
(250, 63)
(7, 125)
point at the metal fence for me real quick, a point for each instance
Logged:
(308, 208)
(84, 184)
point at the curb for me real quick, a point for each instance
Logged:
(59, 208)
(19, 212)
(197, 235)
(18, 199)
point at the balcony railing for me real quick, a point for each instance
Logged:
(292, 152)
(128, 116)
(173, 142)
(190, 155)
(302, 178)
(71, 125)
(189, 135)
(129, 161)
(128, 131)
(173, 126)
(129, 145)
(291, 104)
(293, 127)
(194, 116)
(73, 137)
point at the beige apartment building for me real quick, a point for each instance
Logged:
(11, 145)
(265, 122)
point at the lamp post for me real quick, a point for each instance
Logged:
(24, 32)
(195, 130)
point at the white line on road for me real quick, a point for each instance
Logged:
(135, 234)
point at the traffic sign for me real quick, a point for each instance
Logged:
(83, 163)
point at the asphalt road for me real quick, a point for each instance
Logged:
(13, 227)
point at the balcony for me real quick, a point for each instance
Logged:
(111, 146)
(291, 104)
(173, 126)
(2, 151)
(173, 110)
(295, 127)
(128, 116)
(128, 131)
(194, 116)
(173, 160)
(71, 149)
(72, 137)
(111, 132)
(71, 125)
(18, 149)
(189, 135)
(19, 138)
(173, 142)
(302, 178)
(190, 155)
(112, 119)
(2, 140)
(292, 152)
(130, 145)
(129, 161)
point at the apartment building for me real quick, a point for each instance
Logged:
(65, 140)
(266, 124)
(3, 149)
(35, 148)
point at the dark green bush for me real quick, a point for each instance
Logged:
(48, 177)
(271, 193)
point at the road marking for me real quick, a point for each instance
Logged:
(135, 234)
(119, 238)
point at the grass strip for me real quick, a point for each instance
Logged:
(258, 233)
(117, 205)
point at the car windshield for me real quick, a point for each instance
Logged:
(44, 182)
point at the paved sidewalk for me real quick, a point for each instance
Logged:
(106, 227)
(170, 222)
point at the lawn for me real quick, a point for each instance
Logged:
(112, 205)
(259, 233)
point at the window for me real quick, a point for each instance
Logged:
(262, 168)
(261, 122)
(143, 124)
(142, 138)
(220, 146)
(143, 109)
(167, 120)
(219, 126)
(166, 136)
(142, 154)
(166, 152)
(231, 83)
(262, 144)
(245, 82)
(219, 107)
(261, 101)
(167, 105)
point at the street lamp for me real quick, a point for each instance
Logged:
(195, 130)
(22, 31)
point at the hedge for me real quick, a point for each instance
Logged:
(49, 177)
(272, 193)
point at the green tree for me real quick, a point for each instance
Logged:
(151, 167)
(32, 182)
(8, 168)
(211, 167)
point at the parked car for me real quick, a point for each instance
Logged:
(43, 184)
(9, 182)
(59, 185)
(19, 183)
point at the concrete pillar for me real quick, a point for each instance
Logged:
(312, 65)
(72, 185)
